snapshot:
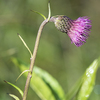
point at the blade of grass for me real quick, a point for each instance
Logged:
(39, 14)
(88, 81)
(13, 96)
(17, 88)
(25, 45)
(22, 74)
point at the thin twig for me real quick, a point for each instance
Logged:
(33, 58)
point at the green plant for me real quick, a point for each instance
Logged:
(46, 87)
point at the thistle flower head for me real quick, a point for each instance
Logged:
(78, 30)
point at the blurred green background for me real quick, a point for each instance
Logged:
(63, 60)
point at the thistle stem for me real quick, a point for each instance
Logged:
(33, 58)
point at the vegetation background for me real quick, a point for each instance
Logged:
(63, 60)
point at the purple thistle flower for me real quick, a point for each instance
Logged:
(78, 30)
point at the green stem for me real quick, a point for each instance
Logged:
(33, 58)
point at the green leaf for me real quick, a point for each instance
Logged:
(46, 87)
(51, 83)
(84, 86)
(71, 93)
(49, 14)
(22, 74)
(88, 81)
(25, 44)
(39, 14)
(17, 88)
(13, 96)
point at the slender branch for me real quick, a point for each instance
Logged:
(33, 58)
